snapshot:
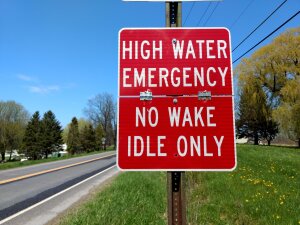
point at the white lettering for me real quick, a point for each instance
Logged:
(178, 49)
(190, 50)
(160, 145)
(209, 48)
(140, 116)
(139, 79)
(187, 117)
(222, 45)
(210, 116)
(127, 49)
(151, 123)
(145, 53)
(223, 74)
(195, 146)
(186, 76)
(174, 116)
(126, 77)
(185, 147)
(208, 76)
(219, 143)
(206, 153)
(157, 49)
(177, 78)
(151, 76)
(137, 139)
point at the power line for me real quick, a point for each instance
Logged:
(204, 14)
(242, 13)
(260, 25)
(216, 5)
(292, 17)
(189, 13)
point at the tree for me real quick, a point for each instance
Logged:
(288, 113)
(81, 124)
(13, 119)
(269, 130)
(73, 141)
(88, 138)
(102, 110)
(32, 142)
(274, 64)
(253, 112)
(99, 135)
(51, 134)
(276, 67)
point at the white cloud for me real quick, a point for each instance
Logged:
(26, 78)
(34, 85)
(44, 89)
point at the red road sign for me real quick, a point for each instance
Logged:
(174, 61)
(182, 132)
(190, 134)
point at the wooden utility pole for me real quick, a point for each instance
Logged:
(175, 180)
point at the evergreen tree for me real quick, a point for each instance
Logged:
(270, 130)
(88, 138)
(81, 124)
(253, 111)
(51, 134)
(32, 144)
(73, 141)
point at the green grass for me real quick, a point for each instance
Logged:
(264, 189)
(15, 164)
(133, 198)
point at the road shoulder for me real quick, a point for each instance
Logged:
(55, 208)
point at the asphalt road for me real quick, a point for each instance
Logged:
(21, 194)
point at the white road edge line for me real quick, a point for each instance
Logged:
(51, 197)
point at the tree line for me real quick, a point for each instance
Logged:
(269, 90)
(100, 128)
(38, 137)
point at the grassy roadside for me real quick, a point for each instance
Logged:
(15, 164)
(264, 189)
(133, 198)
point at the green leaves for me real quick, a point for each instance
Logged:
(275, 91)
(73, 142)
(13, 119)
(42, 137)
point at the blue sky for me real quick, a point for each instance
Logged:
(57, 54)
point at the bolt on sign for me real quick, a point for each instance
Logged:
(175, 100)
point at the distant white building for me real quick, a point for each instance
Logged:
(14, 155)
(64, 147)
(241, 140)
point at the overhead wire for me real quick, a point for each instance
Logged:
(208, 18)
(189, 13)
(259, 25)
(288, 20)
(242, 13)
(203, 14)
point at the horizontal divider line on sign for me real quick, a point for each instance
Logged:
(173, 96)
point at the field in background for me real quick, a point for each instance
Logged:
(264, 189)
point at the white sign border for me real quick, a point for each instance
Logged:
(232, 96)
